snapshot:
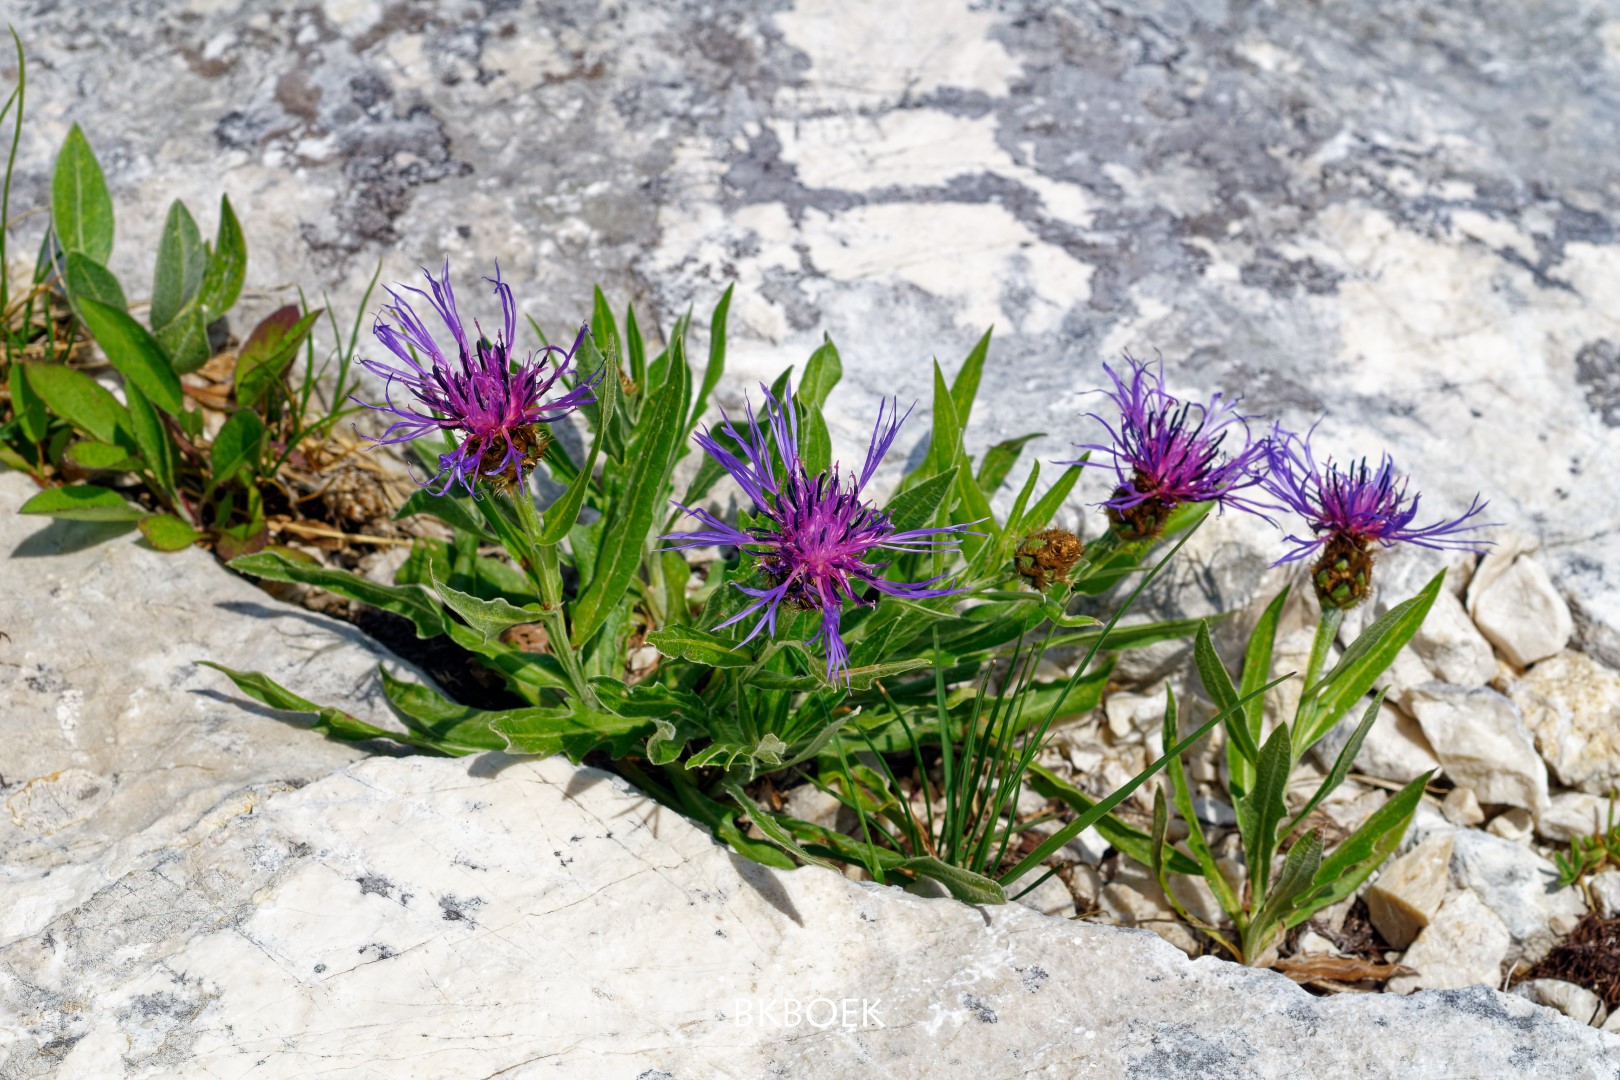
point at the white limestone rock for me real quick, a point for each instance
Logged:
(1516, 605)
(1395, 747)
(114, 739)
(1576, 813)
(1604, 887)
(1409, 890)
(466, 917)
(1571, 704)
(1518, 885)
(1481, 740)
(1576, 1002)
(1464, 944)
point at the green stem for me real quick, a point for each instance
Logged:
(545, 572)
(1327, 630)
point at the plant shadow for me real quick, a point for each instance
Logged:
(66, 537)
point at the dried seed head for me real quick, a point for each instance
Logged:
(1047, 556)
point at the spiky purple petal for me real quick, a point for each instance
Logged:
(1172, 451)
(491, 403)
(817, 530)
(1363, 503)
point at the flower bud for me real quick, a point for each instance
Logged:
(1047, 556)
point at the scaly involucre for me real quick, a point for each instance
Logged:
(1166, 452)
(816, 530)
(1360, 505)
(471, 388)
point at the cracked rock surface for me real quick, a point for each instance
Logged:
(426, 917)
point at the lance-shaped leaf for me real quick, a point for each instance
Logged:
(409, 601)
(268, 351)
(1256, 670)
(165, 532)
(134, 353)
(80, 400)
(81, 209)
(767, 824)
(1263, 810)
(561, 515)
(82, 502)
(179, 270)
(488, 617)
(965, 885)
(227, 265)
(87, 279)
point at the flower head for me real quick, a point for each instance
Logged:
(1349, 510)
(1166, 452)
(813, 532)
(493, 404)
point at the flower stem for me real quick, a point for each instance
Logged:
(545, 571)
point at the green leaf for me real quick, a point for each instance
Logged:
(822, 372)
(770, 827)
(268, 351)
(179, 270)
(87, 279)
(635, 349)
(227, 265)
(999, 460)
(1218, 685)
(449, 509)
(81, 209)
(409, 601)
(237, 445)
(1256, 670)
(28, 406)
(333, 723)
(78, 399)
(699, 646)
(132, 351)
(1051, 844)
(488, 617)
(454, 727)
(82, 502)
(1182, 793)
(1341, 764)
(1045, 509)
(571, 729)
(168, 533)
(965, 885)
(1363, 662)
(1299, 869)
(151, 438)
(860, 678)
(916, 506)
(717, 357)
(560, 516)
(965, 387)
(604, 331)
(1362, 852)
(101, 457)
(946, 443)
(652, 451)
(1263, 810)
(1132, 842)
(185, 341)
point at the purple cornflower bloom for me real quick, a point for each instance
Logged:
(817, 530)
(1351, 509)
(493, 405)
(1166, 452)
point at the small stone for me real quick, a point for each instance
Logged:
(1050, 897)
(1085, 885)
(1214, 812)
(1575, 813)
(1481, 741)
(1410, 890)
(1514, 823)
(1133, 898)
(1450, 647)
(1519, 609)
(1131, 716)
(1313, 944)
(1395, 747)
(1465, 943)
(1604, 888)
(1461, 807)
(1571, 704)
(1576, 1002)
(1520, 886)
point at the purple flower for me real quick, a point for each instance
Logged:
(1351, 509)
(492, 404)
(1166, 452)
(816, 530)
